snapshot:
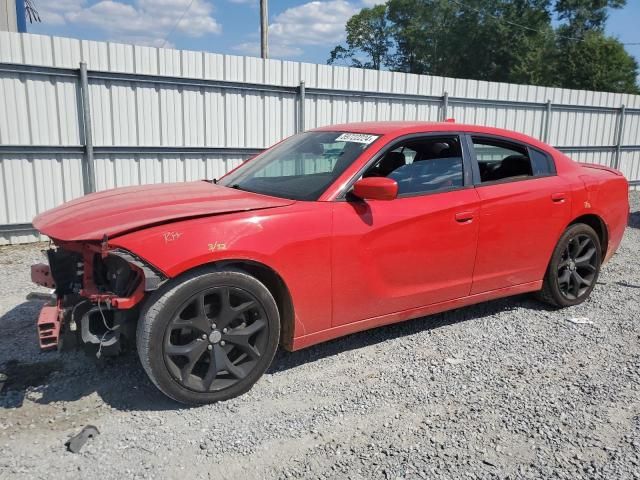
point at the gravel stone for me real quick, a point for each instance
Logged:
(504, 389)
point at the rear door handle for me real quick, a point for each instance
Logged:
(464, 217)
(558, 197)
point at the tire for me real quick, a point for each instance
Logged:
(561, 287)
(208, 336)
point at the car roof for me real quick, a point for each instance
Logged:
(397, 128)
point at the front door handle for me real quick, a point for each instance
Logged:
(558, 197)
(464, 217)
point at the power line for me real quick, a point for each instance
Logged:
(164, 42)
(525, 27)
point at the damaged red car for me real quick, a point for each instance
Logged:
(330, 232)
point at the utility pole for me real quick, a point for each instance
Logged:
(8, 15)
(264, 29)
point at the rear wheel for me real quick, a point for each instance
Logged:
(209, 337)
(574, 267)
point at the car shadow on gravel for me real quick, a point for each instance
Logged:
(69, 376)
(50, 377)
(288, 360)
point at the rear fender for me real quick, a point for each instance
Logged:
(605, 194)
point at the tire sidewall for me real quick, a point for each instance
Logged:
(552, 277)
(157, 319)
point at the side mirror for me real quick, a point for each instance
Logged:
(376, 188)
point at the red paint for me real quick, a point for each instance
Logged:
(354, 264)
(49, 327)
(121, 210)
(122, 303)
(402, 254)
(519, 228)
(376, 188)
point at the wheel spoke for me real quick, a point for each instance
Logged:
(223, 362)
(586, 257)
(588, 266)
(226, 314)
(198, 322)
(244, 333)
(186, 370)
(565, 277)
(225, 299)
(243, 307)
(582, 245)
(580, 280)
(571, 290)
(576, 283)
(191, 349)
(573, 243)
(212, 372)
(240, 337)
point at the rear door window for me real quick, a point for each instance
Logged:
(500, 160)
(503, 160)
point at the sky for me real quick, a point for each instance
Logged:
(299, 30)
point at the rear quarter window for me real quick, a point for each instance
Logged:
(541, 162)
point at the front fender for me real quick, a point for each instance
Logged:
(294, 241)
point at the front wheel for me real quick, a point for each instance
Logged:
(209, 337)
(574, 267)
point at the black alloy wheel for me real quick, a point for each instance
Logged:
(578, 266)
(215, 338)
(574, 267)
(209, 335)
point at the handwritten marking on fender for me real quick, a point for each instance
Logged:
(217, 246)
(171, 236)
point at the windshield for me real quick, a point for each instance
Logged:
(302, 167)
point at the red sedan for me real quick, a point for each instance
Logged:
(329, 232)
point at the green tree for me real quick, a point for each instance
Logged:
(472, 39)
(496, 40)
(596, 62)
(585, 57)
(585, 15)
(368, 40)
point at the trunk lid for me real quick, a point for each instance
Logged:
(596, 166)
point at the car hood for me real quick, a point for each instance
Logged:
(122, 210)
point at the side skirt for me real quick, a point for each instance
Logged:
(341, 330)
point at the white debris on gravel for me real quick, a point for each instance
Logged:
(580, 321)
(502, 389)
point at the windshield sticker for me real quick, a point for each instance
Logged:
(357, 138)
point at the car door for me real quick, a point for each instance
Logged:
(524, 207)
(415, 250)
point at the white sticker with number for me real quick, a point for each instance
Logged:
(357, 138)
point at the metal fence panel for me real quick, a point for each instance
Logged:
(164, 115)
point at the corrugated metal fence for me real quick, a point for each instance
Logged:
(160, 115)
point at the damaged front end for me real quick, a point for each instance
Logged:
(97, 296)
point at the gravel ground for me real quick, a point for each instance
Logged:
(503, 389)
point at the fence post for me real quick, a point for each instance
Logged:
(445, 106)
(88, 170)
(547, 122)
(301, 99)
(619, 136)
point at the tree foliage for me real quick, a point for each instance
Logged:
(497, 40)
(369, 39)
